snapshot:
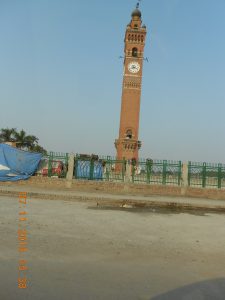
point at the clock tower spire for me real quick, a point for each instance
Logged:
(127, 145)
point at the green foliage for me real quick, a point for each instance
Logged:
(38, 148)
(7, 135)
(22, 140)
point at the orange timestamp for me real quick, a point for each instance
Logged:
(22, 240)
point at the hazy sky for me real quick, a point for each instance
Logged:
(61, 76)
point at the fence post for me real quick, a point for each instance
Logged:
(69, 175)
(108, 167)
(204, 174)
(149, 169)
(132, 170)
(75, 165)
(128, 171)
(123, 168)
(189, 173)
(180, 166)
(164, 171)
(50, 159)
(91, 175)
(67, 158)
(184, 176)
(219, 174)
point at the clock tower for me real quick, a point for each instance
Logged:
(127, 145)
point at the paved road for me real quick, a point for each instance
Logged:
(79, 252)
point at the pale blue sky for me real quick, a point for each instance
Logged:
(61, 78)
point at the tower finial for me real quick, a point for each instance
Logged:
(138, 3)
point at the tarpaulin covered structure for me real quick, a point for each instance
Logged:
(16, 164)
(86, 169)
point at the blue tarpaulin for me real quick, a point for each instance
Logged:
(84, 170)
(16, 164)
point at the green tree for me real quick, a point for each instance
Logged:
(7, 135)
(23, 141)
(38, 148)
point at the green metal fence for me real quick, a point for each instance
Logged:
(108, 168)
(113, 169)
(94, 167)
(150, 171)
(56, 163)
(206, 174)
(87, 167)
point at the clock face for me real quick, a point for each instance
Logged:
(133, 67)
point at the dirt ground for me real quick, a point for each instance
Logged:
(77, 251)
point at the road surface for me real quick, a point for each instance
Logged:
(77, 251)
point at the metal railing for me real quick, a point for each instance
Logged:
(150, 171)
(206, 174)
(54, 164)
(93, 167)
(113, 169)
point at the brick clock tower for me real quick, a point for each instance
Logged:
(127, 145)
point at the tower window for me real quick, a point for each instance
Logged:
(135, 26)
(129, 134)
(134, 52)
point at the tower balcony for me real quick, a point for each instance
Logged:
(128, 144)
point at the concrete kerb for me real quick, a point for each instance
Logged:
(125, 201)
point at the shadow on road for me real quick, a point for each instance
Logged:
(148, 210)
(205, 290)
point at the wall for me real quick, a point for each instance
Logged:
(118, 188)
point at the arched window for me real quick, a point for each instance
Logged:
(129, 134)
(134, 52)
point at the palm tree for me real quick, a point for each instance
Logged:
(39, 149)
(7, 135)
(25, 141)
(22, 140)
